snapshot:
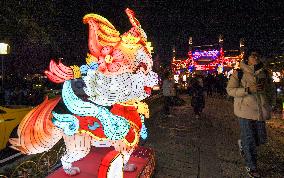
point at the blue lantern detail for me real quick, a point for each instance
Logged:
(84, 69)
(115, 127)
(94, 126)
(93, 65)
(67, 122)
(143, 133)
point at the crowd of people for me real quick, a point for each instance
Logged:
(254, 95)
(198, 86)
(215, 84)
(22, 96)
(19, 91)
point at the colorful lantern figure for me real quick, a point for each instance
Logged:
(118, 75)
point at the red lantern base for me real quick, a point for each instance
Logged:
(142, 157)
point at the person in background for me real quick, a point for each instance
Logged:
(221, 84)
(196, 90)
(169, 92)
(209, 84)
(7, 96)
(254, 96)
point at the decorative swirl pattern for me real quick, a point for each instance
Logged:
(115, 127)
(67, 122)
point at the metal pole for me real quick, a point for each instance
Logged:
(2, 78)
(2, 61)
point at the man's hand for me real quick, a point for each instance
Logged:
(255, 88)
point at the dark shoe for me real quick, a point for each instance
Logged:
(252, 173)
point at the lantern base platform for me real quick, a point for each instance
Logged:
(142, 157)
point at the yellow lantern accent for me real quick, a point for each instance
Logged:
(108, 30)
(76, 71)
(92, 135)
(108, 59)
(108, 38)
(135, 141)
(149, 47)
(142, 108)
(90, 58)
(130, 39)
(98, 18)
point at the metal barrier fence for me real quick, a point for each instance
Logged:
(38, 166)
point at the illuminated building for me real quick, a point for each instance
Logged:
(209, 58)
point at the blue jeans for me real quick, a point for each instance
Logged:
(253, 134)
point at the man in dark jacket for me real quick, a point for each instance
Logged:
(197, 92)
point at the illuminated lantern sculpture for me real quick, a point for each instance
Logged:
(118, 75)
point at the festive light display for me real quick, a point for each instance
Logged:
(276, 77)
(205, 60)
(117, 73)
(211, 54)
(213, 58)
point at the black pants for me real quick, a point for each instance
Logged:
(197, 110)
(167, 104)
(198, 103)
(209, 91)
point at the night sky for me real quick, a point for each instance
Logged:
(38, 31)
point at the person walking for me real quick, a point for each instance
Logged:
(254, 96)
(169, 92)
(196, 90)
(210, 83)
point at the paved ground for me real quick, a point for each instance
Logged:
(187, 147)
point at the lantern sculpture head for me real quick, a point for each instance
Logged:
(122, 62)
(118, 73)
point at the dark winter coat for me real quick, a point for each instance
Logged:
(197, 92)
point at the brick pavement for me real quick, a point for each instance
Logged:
(187, 147)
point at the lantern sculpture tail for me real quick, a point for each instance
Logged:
(36, 131)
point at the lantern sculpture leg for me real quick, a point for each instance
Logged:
(116, 161)
(111, 165)
(128, 167)
(126, 151)
(116, 168)
(75, 151)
